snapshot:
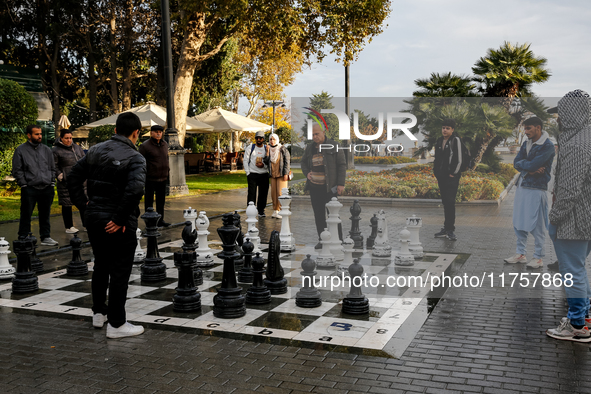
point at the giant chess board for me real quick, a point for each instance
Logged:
(280, 321)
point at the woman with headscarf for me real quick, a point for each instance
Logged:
(278, 171)
(66, 154)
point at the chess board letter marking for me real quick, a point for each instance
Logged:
(266, 332)
(326, 339)
(161, 320)
(344, 326)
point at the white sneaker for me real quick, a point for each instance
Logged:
(126, 330)
(48, 242)
(518, 258)
(274, 214)
(72, 230)
(99, 320)
(535, 263)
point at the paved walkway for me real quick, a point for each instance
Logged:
(477, 340)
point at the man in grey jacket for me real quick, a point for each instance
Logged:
(34, 170)
(570, 217)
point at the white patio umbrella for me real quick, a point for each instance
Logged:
(64, 122)
(150, 114)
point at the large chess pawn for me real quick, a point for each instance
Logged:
(286, 236)
(258, 293)
(308, 296)
(25, 280)
(245, 275)
(186, 298)
(373, 223)
(253, 232)
(355, 232)
(414, 224)
(228, 303)
(325, 259)
(6, 270)
(333, 222)
(153, 269)
(204, 253)
(189, 236)
(404, 257)
(76, 267)
(381, 247)
(36, 263)
(355, 303)
(343, 268)
(139, 254)
(190, 214)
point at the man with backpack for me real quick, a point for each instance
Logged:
(450, 161)
(256, 161)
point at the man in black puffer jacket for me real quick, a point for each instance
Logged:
(116, 175)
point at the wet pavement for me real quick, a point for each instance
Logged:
(478, 339)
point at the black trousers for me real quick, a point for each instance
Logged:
(113, 260)
(260, 181)
(160, 189)
(320, 197)
(69, 218)
(43, 198)
(448, 188)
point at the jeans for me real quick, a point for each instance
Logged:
(571, 256)
(43, 198)
(113, 260)
(160, 189)
(448, 188)
(260, 181)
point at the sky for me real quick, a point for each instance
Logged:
(425, 36)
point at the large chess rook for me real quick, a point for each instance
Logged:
(355, 303)
(414, 224)
(228, 303)
(190, 215)
(258, 293)
(275, 281)
(355, 232)
(253, 232)
(308, 296)
(381, 246)
(6, 270)
(204, 253)
(36, 263)
(153, 269)
(76, 267)
(334, 222)
(25, 280)
(286, 236)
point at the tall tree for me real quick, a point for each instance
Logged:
(445, 85)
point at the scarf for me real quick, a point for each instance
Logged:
(274, 150)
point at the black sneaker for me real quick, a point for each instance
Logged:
(262, 215)
(441, 234)
(553, 266)
(318, 245)
(451, 236)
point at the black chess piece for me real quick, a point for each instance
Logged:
(153, 269)
(189, 236)
(228, 302)
(186, 298)
(355, 303)
(245, 274)
(355, 233)
(76, 267)
(36, 263)
(308, 296)
(373, 223)
(25, 280)
(239, 260)
(258, 292)
(275, 280)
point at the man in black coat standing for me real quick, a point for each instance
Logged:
(447, 170)
(155, 151)
(116, 174)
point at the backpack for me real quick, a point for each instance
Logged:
(467, 159)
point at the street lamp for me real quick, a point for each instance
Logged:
(274, 104)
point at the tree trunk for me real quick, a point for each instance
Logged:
(113, 47)
(482, 149)
(55, 81)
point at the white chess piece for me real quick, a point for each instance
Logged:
(414, 224)
(325, 259)
(139, 254)
(333, 221)
(381, 246)
(6, 270)
(190, 215)
(204, 253)
(404, 257)
(348, 249)
(285, 236)
(252, 231)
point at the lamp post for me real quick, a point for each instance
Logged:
(176, 153)
(274, 104)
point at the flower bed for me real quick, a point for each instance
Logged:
(417, 181)
(383, 160)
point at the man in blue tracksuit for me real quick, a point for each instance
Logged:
(530, 207)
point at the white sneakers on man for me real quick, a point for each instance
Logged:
(518, 258)
(99, 320)
(535, 263)
(126, 330)
(72, 230)
(48, 242)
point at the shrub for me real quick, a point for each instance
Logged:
(383, 160)
(101, 133)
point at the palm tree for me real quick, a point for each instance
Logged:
(445, 85)
(510, 71)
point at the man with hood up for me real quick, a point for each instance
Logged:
(570, 216)
(530, 207)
